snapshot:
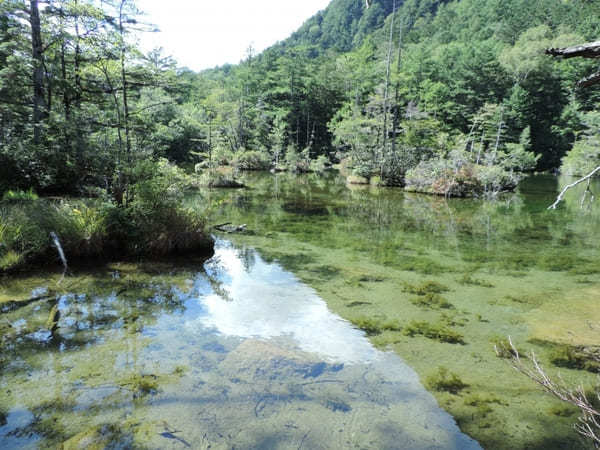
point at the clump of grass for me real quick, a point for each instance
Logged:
(425, 288)
(436, 331)
(467, 279)
(432, 301)
(445, 381)
(19, 196)
(373, 326)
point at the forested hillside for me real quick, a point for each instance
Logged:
(452, 76)
(403, 88)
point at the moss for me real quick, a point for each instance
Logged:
(443, 380)
(432, 301)
(467, 279)
(436, 331)
(427, 287)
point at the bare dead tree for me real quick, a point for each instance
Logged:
(588, 424)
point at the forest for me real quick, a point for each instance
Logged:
(110, 153)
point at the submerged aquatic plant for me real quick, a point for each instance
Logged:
(433, 301)
(425, 288)
(373, 326)
(436, 331)
(443, 380)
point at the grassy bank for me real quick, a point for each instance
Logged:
(151, 224)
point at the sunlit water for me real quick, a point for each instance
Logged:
(239, 355)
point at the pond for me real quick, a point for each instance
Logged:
(329, 323)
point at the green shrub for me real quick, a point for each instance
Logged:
(320, 164)
(445, 381)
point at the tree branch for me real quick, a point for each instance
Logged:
(589, 50)
(572, 185)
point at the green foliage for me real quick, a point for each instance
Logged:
(445, 381)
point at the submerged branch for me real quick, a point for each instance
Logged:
(589, 421)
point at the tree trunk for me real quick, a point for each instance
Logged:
(39, 103)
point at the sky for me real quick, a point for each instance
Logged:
(201, 34)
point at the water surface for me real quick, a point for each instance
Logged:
(240, 354)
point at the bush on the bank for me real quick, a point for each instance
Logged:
(251, 160)
(152, 223)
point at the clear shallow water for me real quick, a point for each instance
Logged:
(506, 267)
(239, 355)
